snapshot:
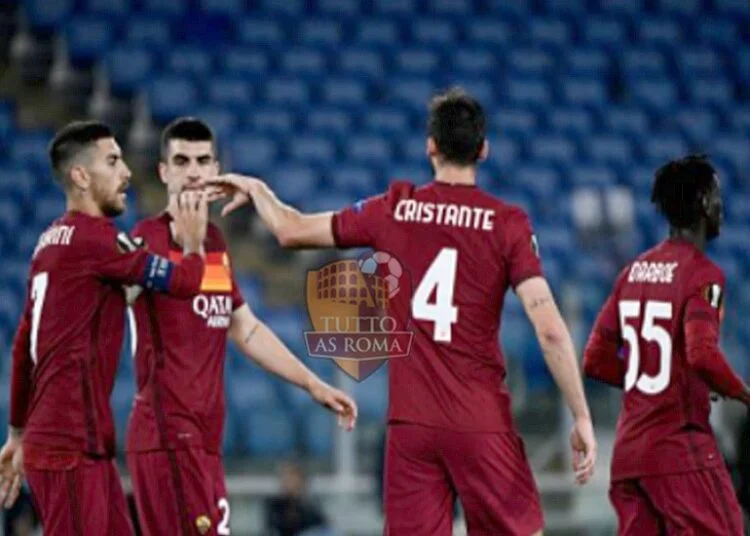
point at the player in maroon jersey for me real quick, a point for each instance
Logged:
(668, 476)
(176, 427)
(450, 427)
(67, 347)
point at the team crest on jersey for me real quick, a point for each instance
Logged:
(203, 524)
(714, 295)
(359, 309)
(128, 244)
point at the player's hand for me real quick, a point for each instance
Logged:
(583, 443)
(238, 187)
(11, 471)
(191, 220)
(337, 401)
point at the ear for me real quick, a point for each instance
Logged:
(484, 153)
(79, 178)
(163, 172)
(431, 149)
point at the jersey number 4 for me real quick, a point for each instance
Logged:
(650, 332)
(440, 277)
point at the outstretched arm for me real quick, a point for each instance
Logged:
(262, 346)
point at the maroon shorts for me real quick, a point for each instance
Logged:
(426, 468)
(180, 492)
(700, 503)
(87, 499)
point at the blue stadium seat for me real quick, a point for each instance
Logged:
(660, 148)
(190, 60)
(287, 91)
(312, 149)
(221, 120)
(251, 152)
(268, 433)
(413, 149)
(252, 290)
(479, 87)
(320, 32)
(625, 120)
(528, 91)
(732, 7)
(272, 120)
(584, 92)
(530, 61)
(621, 6)
(434, 32)
(504, 152)
(339, 7)
(699, 62)
(592, 175)
(128, 67)
(659, 94)
(318, 429)
(412, 91)
(293, 183)
(44, 16)
(549, 31)
(17, 183)
(378, 31)
(712, 91)
(244, 61)
(451, 7)
(516, 122)
(29, 147)
(539, 181)
(369, 148)
(740, 119)
(170, 96)
(88, 38)
(659, 31)
(735, 149)
(587, 62)
(232, 92)
(418, 61)
(148, 31)
(354, 178)
(170, 8)
(643, 62)
(716, 31)
(570, 121)
(738, 207)
(394, 7)
(603, 31)
(679, 7)
(475, 61)
(290, 8)
(329, 120)
(735, 240)
(361, 61)
(10, 217)
(48, 208)
(568, 7)
(698, 124)
(340, 91)
(742, 65)
(260, 31)
(556, 240)
(513, 8)
(386, 120)
(231, 8)
(26, 240)
(487, 32)
(641, 179)
(610, 149)
(109, 7)
(557, 149)
(306, 62)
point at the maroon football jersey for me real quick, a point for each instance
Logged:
(664, 421)
(68, 344)
(463, 249)
(180, 351)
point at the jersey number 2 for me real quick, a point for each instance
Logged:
(650, 332)
(38, 292)
(440, 276)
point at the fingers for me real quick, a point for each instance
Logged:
(15, 489)
(233, 205)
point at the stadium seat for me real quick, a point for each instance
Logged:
(659, 95)
(320, 32)
(592, 175)
(504, 152)
(43, 16)
(487, 32)
(88, 38)
(348, 92)
(603, 31)
(625, 120)
(558, 149)
(527, 92)
(29, 148)
(369, 148)
(735, 149)
(268, 433)
(286, 91)
(451, 7)
(587, 62)
(740, 119)
(17, 183)
(610, 149)
(128, 67)
(329, 121)
(717, 31)
(539, 181)
(231, 92)
(661, 148)
(386, 120)
(590, 92)
(354, 178)
(698, 124)
(230, 8)
(190, 60)
(293, 183)
(244, 61)
(434, 32)
(338, 7)
(732, 7)
(697, 62)
(659, 31)
(568, 7)
(260, 31)
(415, 173)
(475, 61)
(414, 92)
(549, 31)
(361, 61)
(621, 6)
(738, 207)
(514, 8)
(570, 121)
(312, 149)
(250, 152)
(10, 217)
(643, 62)
(715, 91)
(304, 62)
(221, 120)
(417, 61)
(148, 31)
(377, 31)
(109, 7)
(170, 8)
(681, 7)
(271, 120)
(516, 121)
(532, 62)
(170, 96)
(48, 208)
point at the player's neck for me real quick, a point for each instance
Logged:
(84, 205)
(466, 176)
(692, 236)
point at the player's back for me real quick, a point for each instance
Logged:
(663, 426)
(77, 318)
(463, 249)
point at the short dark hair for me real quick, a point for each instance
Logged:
(71, 140)
(679, 188)
(457, 124)
(188, 129)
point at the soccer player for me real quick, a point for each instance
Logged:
(450, 426)
(657, 338)
(176, 428)
(67, 346)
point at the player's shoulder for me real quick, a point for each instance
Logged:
(150, 225)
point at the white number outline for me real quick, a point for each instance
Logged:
(223, 528)
(39, 285)
(441, 275)
(650, 332)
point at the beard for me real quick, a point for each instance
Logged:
(112, 209)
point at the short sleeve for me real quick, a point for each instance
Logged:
(358, 225)
(705, 299)
(522, 253)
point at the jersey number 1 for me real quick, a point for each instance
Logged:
(650, 332)
(440, 276)
(38, 292)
